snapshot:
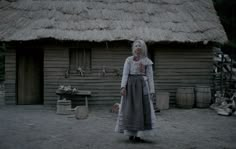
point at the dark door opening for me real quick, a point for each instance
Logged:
(29, 76)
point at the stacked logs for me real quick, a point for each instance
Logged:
(224, 72)
(224, 85)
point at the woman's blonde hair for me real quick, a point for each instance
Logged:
(139, 44)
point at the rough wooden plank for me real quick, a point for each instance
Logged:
(173, 68)
(105, 87)
(10, 76)
(182, 67)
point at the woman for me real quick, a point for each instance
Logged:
(136, 116)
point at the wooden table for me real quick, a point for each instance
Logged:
(85, 93)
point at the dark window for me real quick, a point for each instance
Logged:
(80, 58)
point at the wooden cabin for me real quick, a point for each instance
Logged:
(49, 43)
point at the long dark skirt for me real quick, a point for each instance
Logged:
(136, 106)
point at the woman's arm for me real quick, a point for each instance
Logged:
(150, 79)
(125, 73)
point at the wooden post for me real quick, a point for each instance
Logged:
(86, 101)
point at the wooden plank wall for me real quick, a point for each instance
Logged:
(174, 67)
(10, 76)
(182, 67)
(56, 63)
(105, 87)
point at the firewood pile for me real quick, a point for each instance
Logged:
(224, 83)
(224, 71)
(225, 105)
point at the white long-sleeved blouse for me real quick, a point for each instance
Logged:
(136, 68)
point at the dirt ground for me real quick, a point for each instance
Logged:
(38, 127)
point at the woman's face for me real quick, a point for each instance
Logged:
(138, 48)
(138, 52)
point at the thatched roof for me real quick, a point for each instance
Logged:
(110, 20)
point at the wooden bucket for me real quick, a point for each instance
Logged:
(2, 94)
(185, 97)
(64, 107)
(162, 100)
(2, 97)
(203, 96)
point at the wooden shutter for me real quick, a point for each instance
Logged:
(80, 58)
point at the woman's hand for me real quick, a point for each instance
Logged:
(152, 96)
(123, 91)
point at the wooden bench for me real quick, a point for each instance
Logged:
(85, 93)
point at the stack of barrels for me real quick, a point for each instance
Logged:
(189, 97)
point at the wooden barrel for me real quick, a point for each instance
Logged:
(185, 97)
(203, 96)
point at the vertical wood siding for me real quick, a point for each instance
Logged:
(10, 76)
(182, 68)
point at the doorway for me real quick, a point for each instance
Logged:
(29, 76)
